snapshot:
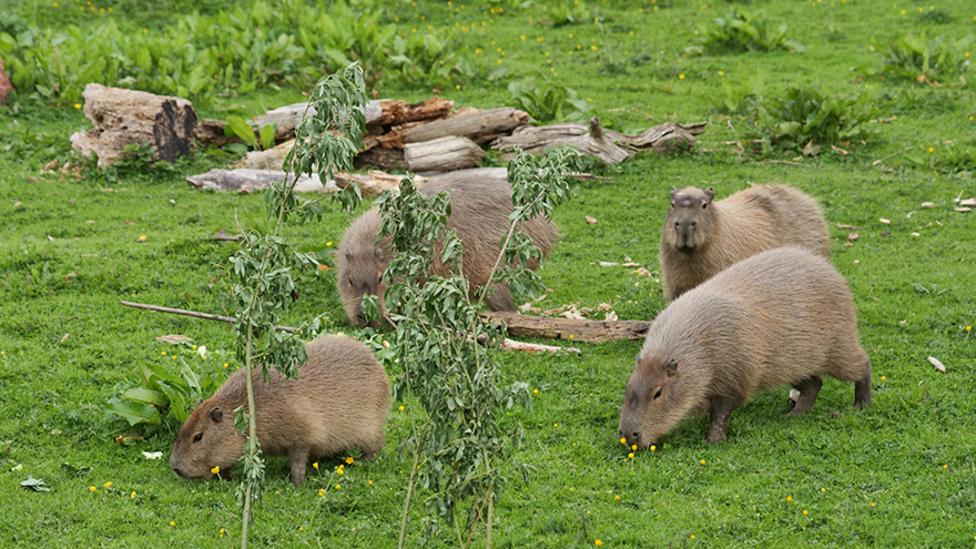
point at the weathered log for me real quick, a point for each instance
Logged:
(121, 118)
(380, 157)
(610, 146)
(379, 113)
(442, 155)
(590, 331)
(5, 86)
(479, 126)
(245, 180)
(211, 132)
(270, 159)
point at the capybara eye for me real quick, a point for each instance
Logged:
(197, 437)
(657, 395)
(676, 224)
(705, 205)
(694, 223)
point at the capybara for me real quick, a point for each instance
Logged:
(781, 317)
(480, 205)
(701, 237)
(338, 402)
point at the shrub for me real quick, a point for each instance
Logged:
(547, 102)
(925, 61)
(567, 12)
(740, 31)
(429, 59)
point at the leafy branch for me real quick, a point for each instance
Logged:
(326, 140)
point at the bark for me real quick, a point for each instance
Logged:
(270, 159)
(374, 182)
(590, 331)
(479, 126)
(444, 154)
(245, 180)
(380, 157)
(610, 146)
(211, 132)
(121, 118)
(379, 113)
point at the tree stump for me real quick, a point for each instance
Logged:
(442, 155)
(128, 117)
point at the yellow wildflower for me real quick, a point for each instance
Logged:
(107, 485)
(535, 391)
(884, 379)
(222, 532)
(92, 489)
(215, 470)
(226, 365)
(369, 482)
(789, 499)
(931, 150)
(969, 327)
(653, 448)
(634, 447)
(702, 461)
(142, 238)
(402, 407)
(616, 498)
(321, 492)
(338, 487)
(806, 513)
(598, 542)
(681, 76)
(692, 537)
(623, 440)
(350, 460)
(172, 523)
(77, 105)
(630, 455)
(315, 466)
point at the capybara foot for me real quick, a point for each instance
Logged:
(298, 459)
(720, 413)
(808, 395)
(862, 393)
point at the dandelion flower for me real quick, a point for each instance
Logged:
(873, 504)
(350, 460)
(931, 150)
(806, 513)
(702, 461)
(633, 447)
(338, 487)
(162, 353)
(630, 455)
(969, 327)
(789, 499)
(77, 106)
(215, 470)
(535, 391)
(616, 498)
(402, 407)
(594, 48)
(92, 489)
(142, 238)
(321, 492)
(369, 482)
(946, 466)
(107, 485)
(340, 471)
(598, 542)
(222, 532)
(681, 76)
(315, 466)
(226, 365)
(823, 490)
(884, 379)
(721, 73)
(623, 440)
(653, 448)
(555, 425)
(172, 523)
(329, 244)
(573, 336)
(133, 494)
(692, 537)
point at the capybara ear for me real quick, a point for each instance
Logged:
(217, 415)
(710, 193)
(674, 191)
(378, 254)
(671, 367)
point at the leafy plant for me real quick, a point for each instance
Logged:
(805, 120)
(935, 61)
(740, 31)
(325, 141)
(441, 344)
(547, 102)
(428, 58)
(567, 12)
(167, 392)
(738, 98)
(263, 138)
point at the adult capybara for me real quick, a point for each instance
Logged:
(338, 402)
(782, 317)
(701, 237)
(480, 205)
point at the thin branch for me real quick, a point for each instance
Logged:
(195, 314)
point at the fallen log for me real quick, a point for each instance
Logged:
(270, 159)
(479, 126)
(379, 113)
(121, 118)
(590, 331)
(610, 146)
(444, 154)
(211, 132)
(380, 157)
(508, 344)
(246, 180)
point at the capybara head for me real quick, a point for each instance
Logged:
(208, 438)
(654, 401)
(689, 218)
(360, 263)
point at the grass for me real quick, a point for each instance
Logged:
(901, 473)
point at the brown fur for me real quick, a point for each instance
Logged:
(338, 402)
(782, 317)
(701, 237)
(479, 213)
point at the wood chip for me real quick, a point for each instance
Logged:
(885, 221)
(608, 264)
(175, 339)
(928, 205)
(846, 226)
(969, 202)
(937, 363)
(591, 220)
(963, 210)
(852, 237)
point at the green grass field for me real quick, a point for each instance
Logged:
(902, 473)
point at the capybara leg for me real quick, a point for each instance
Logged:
(501, 299)
(808, 395)
(298, 459)
(370, 451)
(720, 412)
(862, 389)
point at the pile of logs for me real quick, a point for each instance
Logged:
(429, 137)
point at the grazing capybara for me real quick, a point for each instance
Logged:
(701, 237)
(480, 205)
(782, 317)
(338, 402)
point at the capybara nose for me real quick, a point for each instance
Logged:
(178, 471)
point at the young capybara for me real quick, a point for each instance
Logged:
(701, 237)
(338, 402)
(480, 205)
(781, 317)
